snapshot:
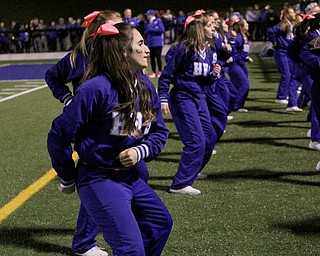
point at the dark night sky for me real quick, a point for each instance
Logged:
(23, 11)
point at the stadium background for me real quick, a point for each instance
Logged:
(23, 11)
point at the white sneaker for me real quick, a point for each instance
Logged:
(318, 166)
(284, 102)
(230, 118)
(242, 110)
(202, 176)
(94, 251)
(186, 191)
(294, 109)
(314, 145)
(215, 151)
(309, 133)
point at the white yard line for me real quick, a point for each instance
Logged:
(15, 89)
(23, 80)
(22, 93)
(6, 93)
(26, 85)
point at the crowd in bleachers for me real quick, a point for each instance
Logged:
(63, 35)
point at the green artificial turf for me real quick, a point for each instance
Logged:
(260, 198)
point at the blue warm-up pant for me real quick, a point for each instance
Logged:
(87, 230)
(233, 93)
(132, 218)
(192, 119)
(282, 61)
(303, 76)
(218, 101)
(239, 78)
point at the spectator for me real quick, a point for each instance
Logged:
(180, 20)
(168, 22)
(73, 28)
(62, 34)
(127, 13)
(43, 37)
(251, 18)
(4, 44)
(14, 37)
(154, 33)
(52, 37)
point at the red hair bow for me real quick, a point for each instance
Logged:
(235, 19)
(106, 29)
(90, 17)
(198, 12)
(188, 21)
(308, 16)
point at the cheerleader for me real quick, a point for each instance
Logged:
(71, 68)
(281, 36)
(189, 69)
(237, 69)
(114, 121)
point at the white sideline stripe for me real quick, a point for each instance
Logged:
(15, 89)
(32, 82)
(22, 80)
(6, 93)
(27, 85)
(23, 93)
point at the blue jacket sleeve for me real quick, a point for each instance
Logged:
(272, 34)
(57, 79)
(235, 44)
(168, 74)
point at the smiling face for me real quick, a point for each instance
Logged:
(138, 57)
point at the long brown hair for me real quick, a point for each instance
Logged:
(238, 27)
(108, 56)
(86, 39)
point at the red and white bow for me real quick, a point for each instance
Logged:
(188, 21)
(106, 29)
(199, 12)
(90, 17)
(308, 16)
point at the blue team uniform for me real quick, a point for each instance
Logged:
(189, 73)
(237, 69)
(288, 85)
(137, 222)
(57, 78)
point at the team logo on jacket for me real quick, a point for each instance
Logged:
(201, 69)
(118, 124)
